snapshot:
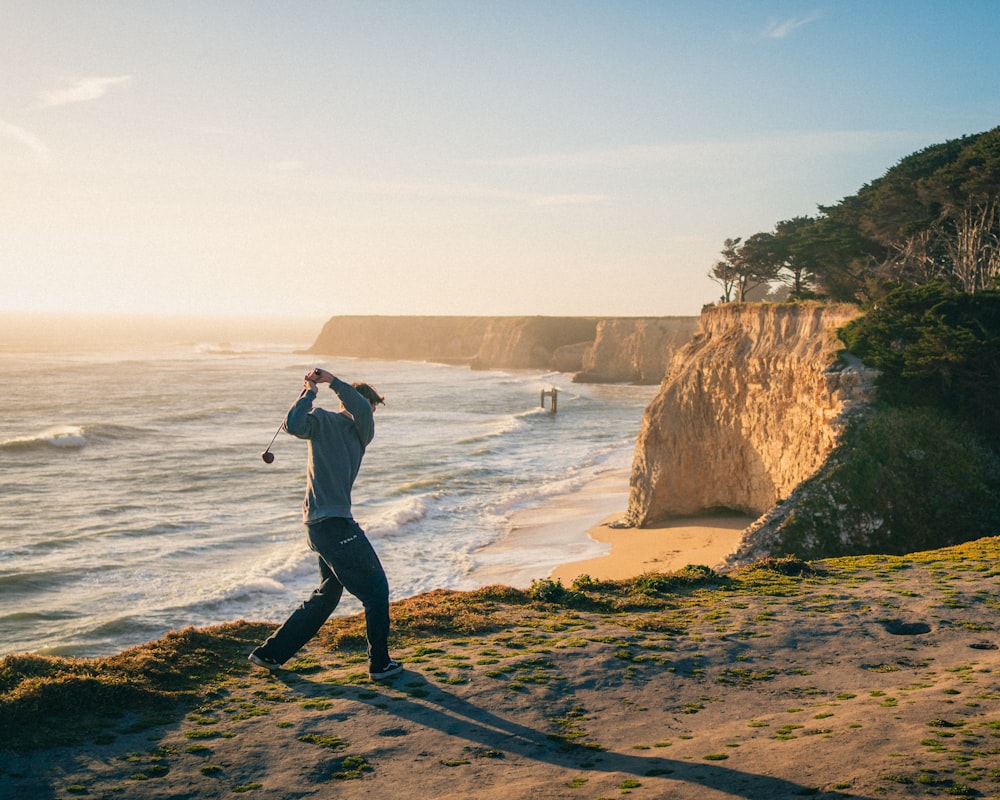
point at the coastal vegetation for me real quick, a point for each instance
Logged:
(919, 249)
(936, 349)
(933, 217)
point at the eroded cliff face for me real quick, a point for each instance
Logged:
(635, 350)
(749, 408)
(530, 342)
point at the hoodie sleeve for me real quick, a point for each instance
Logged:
(358, 407)
(299, 421)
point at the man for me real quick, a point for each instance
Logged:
(337, 443)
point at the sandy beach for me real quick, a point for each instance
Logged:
(664, 547)
(574, 535)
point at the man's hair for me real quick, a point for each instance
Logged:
(369, 394)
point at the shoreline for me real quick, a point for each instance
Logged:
(571, 535)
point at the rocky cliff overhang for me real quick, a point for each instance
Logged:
(749, 408)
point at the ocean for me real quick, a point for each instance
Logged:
(134, 500)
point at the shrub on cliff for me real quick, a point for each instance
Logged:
(935, 348)
(902, 480)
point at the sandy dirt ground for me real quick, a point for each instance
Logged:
(881, 683)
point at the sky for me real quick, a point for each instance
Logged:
(555, 157)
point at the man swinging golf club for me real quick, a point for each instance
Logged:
(337, 443)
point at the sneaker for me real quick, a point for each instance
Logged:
(260, 661)
(390, 669)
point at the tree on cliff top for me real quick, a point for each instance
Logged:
(934, 216)
(744, 266)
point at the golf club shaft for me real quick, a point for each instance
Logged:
(274, 437)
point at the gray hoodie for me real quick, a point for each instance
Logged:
(336, 445)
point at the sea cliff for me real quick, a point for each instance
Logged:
(634, 350)
(598, 350)
(750, 407)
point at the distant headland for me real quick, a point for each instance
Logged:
(596, 349)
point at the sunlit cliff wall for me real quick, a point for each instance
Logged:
(749, 408)
(530, 342)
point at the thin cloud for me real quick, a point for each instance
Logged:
(82, 91)
(821, 143)
(781, 30)
(27, 139)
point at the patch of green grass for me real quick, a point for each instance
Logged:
(202, 733)
(785, 732)
(304, 666)
(880, 667)
(323, 740)
(737, 676)
(352, 768)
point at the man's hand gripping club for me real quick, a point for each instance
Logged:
(315, 376)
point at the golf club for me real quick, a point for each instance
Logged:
(267, 455)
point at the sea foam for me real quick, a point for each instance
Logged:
(68, 436)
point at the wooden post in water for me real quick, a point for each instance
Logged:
(554, 394)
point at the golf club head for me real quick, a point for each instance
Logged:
(268, 456)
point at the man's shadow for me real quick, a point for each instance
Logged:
(431, 706)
